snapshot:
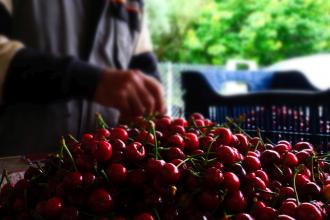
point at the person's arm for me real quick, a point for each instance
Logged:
(36, 77)
(144, 58)
(27, 75)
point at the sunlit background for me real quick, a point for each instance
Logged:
(237, 34)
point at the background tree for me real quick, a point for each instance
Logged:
(213, 31)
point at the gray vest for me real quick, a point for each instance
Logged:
(59, 27)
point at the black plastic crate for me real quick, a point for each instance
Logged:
(289, 107)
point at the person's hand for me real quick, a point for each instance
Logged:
(131, 92)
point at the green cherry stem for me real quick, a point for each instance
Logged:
(105, 175)
(63, 146)
(156, 213)
(73, 138)
(295, 186)
(312, 168)
(100, 121)
(232, 122)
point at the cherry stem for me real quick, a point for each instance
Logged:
(156, 213)
(152, 130)
(312, 170)
(198, 128)
(279, 169)
(105, 175)
(257, 145)
(268, 192)
(232, 122)
(63, 146)
(100, 121)
(209, 149)
(73, 138)
(295, 186)
(184, 161)
(259, 135)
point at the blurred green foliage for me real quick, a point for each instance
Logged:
(213, 31)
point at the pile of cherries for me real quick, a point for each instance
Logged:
(171, 169)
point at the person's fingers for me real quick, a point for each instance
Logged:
(122, 104)
(135, 102)
(146, 97)
(156, 89)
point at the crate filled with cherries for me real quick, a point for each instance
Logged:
(163, 168)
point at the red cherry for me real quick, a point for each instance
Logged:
(251, 163)
(178, 129)
(176, 140)
(284, 217)
(213, 177)
(88, 179)
(301, 180)
(18, 204)
(290, 159)
(196, 115)
(307, 211)
(209, 200)
(53, 207)
(205, 142)
(84, 162)
(116, 172)
(231, 182)
(266, 213)
(259, 205)
(180, 122)
(226, 155)
(137, 178)
(312, 190)
(146, 137)
(243, 216)
(86, 137)
(269, 157)
(235, 202)
(289, 146)
(163, 123)
(119, 133)
(100, 201)
(303, 146)
(262, 175)
(103, 151)
(70, 213)
(73, 180)
(199, 122)
(191, 141)
(257, 144)
(286, 192)
(102, 133)
(281, 148)
(144, 216)
(225, 136)
(302, 156)
(170, 174)
(118, 145)
(326, 192)
(175, 153)
(288, 208)
(253, 153)
(154, 166)
(243, 143)
(135, 152)
(258, 183)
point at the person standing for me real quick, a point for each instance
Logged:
(62, 61)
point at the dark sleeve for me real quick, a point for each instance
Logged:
(5, 21)
(147, 63)
(41, 78)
